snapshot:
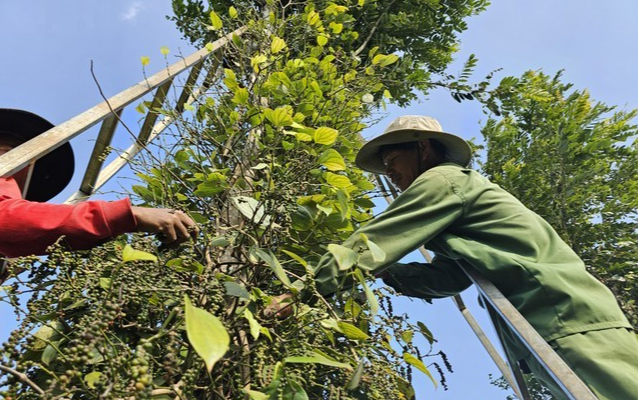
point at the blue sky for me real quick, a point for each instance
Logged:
(46, 48)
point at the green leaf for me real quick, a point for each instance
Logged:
(221, 241)
(236, 290)
(418, 364)
(317, 358)
(277, 45)
(145, 60)
(295, 257)
(372, 299)
(331, 323)
(346, 258)
(332, 160)
(206, 333)
(256, 395)
(322, 40)
(367, 98)
(338, 181)
(325, 135)
(407, 336)
(377, 252)
(356, 377)
(92, 378)
(49, 354)
(281, 116)
(105, 283)
(130, 254)
(344, 204)
(255, 327)
(294, 391)
(325, 210)
(426, 332)
(352, 332)
(241, 96)
(270, 259)
(251, 209)
(216, 21)
(232, 12)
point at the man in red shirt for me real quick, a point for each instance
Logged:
(29, 226)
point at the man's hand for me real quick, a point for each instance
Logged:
(172, 226)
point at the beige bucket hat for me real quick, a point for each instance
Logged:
(412, 128)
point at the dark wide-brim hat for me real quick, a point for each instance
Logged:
(53, 171)
(412, 128)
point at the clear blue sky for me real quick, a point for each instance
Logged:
(46, 48)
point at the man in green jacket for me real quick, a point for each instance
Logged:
(462, 217)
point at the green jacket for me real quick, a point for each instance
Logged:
(460, 215)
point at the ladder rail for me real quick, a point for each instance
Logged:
(572, 386)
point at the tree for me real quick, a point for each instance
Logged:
(264, 163)
(421, 33)
(572, 160)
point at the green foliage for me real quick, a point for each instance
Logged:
(536, 390)
(264, 163)
(573, 161)
(413, 41)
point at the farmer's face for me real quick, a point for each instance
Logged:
(402, 166)
(8, 143)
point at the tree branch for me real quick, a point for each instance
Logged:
(22, 378)
(373, 30)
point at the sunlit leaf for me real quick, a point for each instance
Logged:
(206, 333)
(325, 135)
(92, 378)
(352, 332)
(215, 20)
(130, 254)
(277, 45)
(232, 12)
(145, 60)
(332, 160)
(338, 181)
(164, 50)
(322, 40)
(418, 364)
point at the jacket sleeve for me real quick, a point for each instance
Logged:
(428, 207)
(28, 227)
(439, 279)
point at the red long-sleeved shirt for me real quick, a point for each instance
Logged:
(28, 227)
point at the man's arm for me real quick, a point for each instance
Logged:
(427, 208)
(28, 227)
(439, 279)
